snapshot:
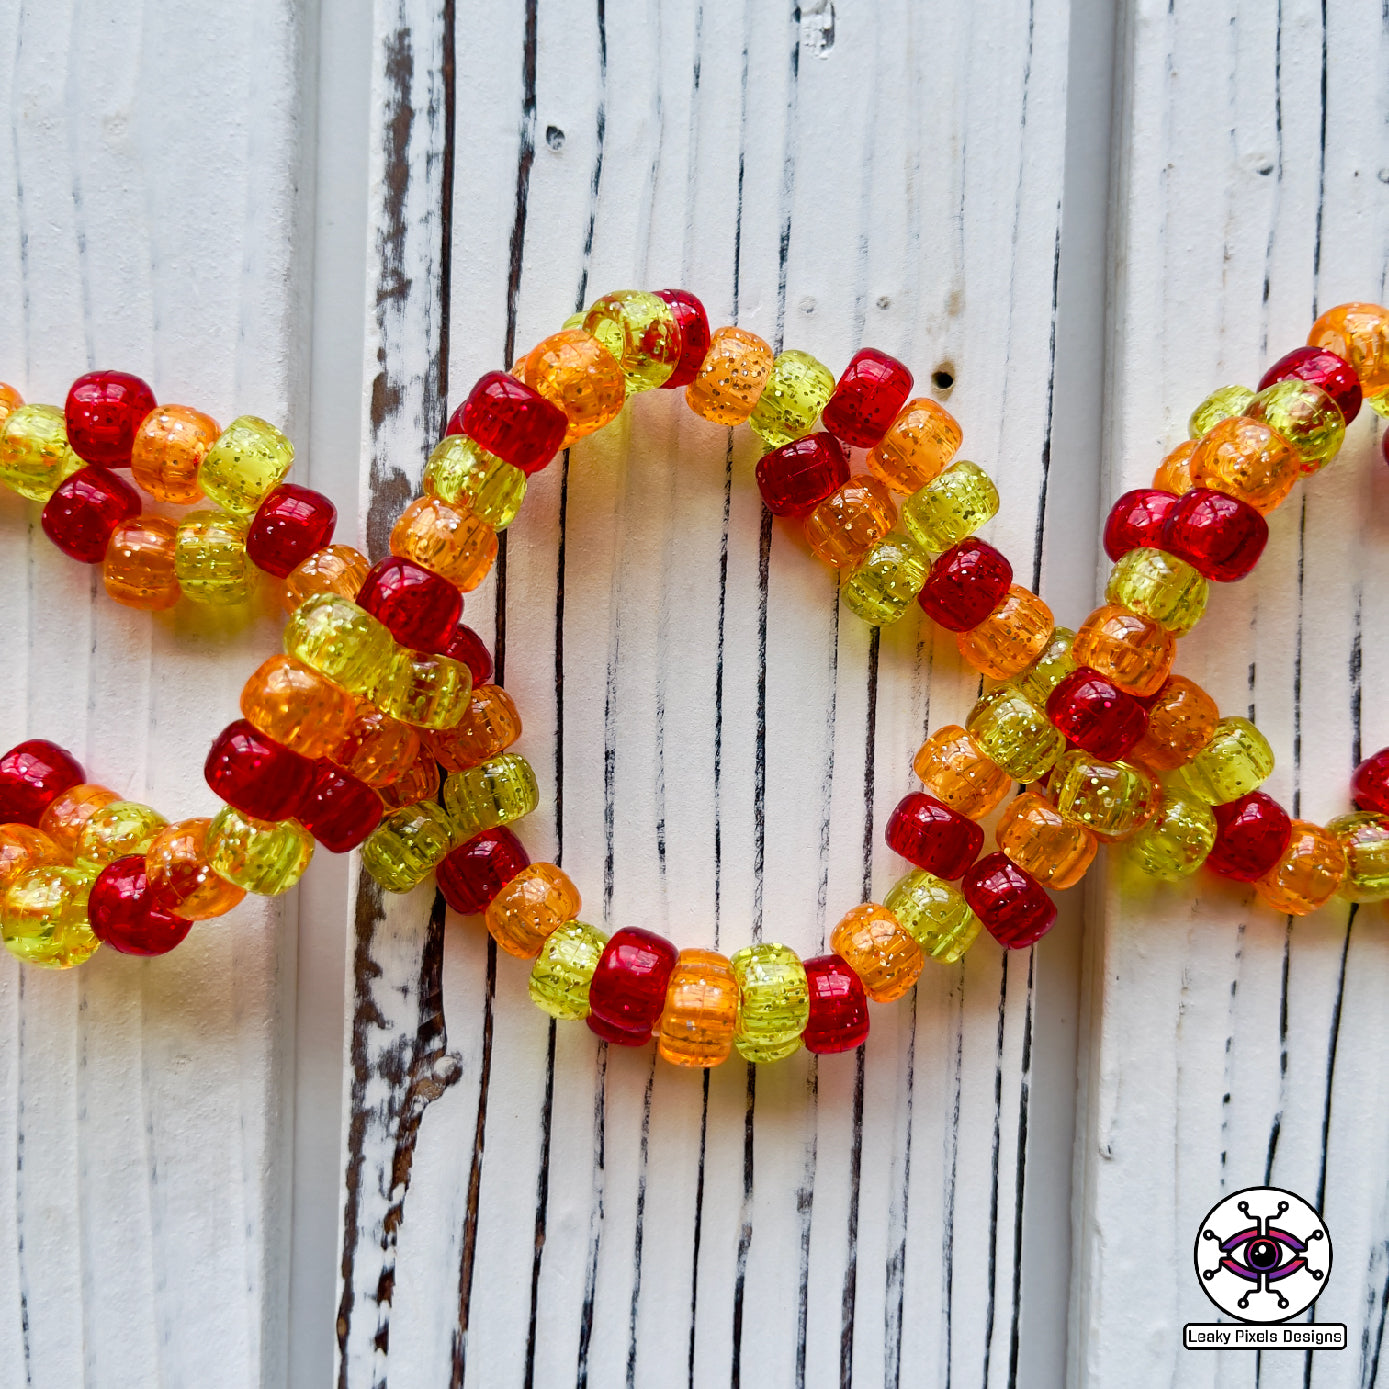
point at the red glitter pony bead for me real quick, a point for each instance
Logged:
(1369, 786)
(465, 645)
(1218, 535)
(255, 774)
(1014, 907)
(337, 809)
(1333, 374)
(1250, 836)
(933, 836)
(509, 419)
(1136, 520)
(838, 1018)
(418, 607)
(84, 511)
(123, 914)
(693, 323)
(867, 398)
(1095, 714)
(103, 412)
(289, 525)
(32, 775)
(965, 585)
(628, 989)
(475, 872)
(798, 476)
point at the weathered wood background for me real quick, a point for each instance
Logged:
(338, 217)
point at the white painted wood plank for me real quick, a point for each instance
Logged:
(1230, 1047)
(565, 1214)
(154, 150)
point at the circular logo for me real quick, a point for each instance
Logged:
(1262, 1254)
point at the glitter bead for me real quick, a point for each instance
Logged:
(563, 971)
(465, 645)
(532, 903)
(842, 529)
(420, 781)
(575, 372)
(210, 559)
(490, 724)
(1011, 637)
(461, 472)
(1359, 333)
(1250, 837)
(1160, 586)
(933, 836)
(510, 420)
(23, 847)
(1321, 368)
(1223, 403)
(934, 914)
(838, 1007)
(123, 915)
(731, 377)
(882, 586)
(249, 459)
(1174, 472)
(262, 779)
(1181, 719)
(85, 510)
(1364, 839)
(417, 607)
(797, 389)
(471, 875)
(424, 690)
(455, 544)
(867, 398)
(10, 401)
(182, 879)
(1369, 784)
(43, 917)
(798, 476)
(32, 775)
(376, 748)
(1219, 536)
(1013, 733)
(34, 452)
(1095, 714)
(700, 1012)
(340, 641)
(1247, 460)
(692, 325)
(262, 856)
(291, 524)
(1305, 417)
(1043, 843)
(965, 585)
(955, 769)
(1111, 799)
(1235, 761)
(916, 447)
(339, 810)
(168, 450)
(71, 809)
(628, 988)
(1308, 873)
(294, 705)
(103, 411)
(1013, 905)
(639, 330)
(114, 831)
(336, 569)
(405, 847)
(955, 505)
(774, 1002)
(879, 949)
(1055, 663)
(1175, 842)
(1136, 520)
(1133, 651)
(497, 792)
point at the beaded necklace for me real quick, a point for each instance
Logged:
(378, 728)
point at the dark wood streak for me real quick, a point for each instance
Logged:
(805, 1207)
(994, 1181)
(595, 1215)
(698, 1222)
(849, 1293)
(948, 1224)
(1020, 1172)
(1275, 1131)
(21, 1205)
(638, 1236)
(895, 1273)
(740, 1273)
(542, 1202)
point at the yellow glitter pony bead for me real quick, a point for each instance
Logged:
(880, 950)
(1015, 734)
(210, 559)
(1236, 761)
(250, 458)
(935, 914)
(1364, 839)
(917, 446)
(423, 689)
(797, 390)
(1111, 799)
(1223, 403)
(640, 332)
(885, 582)
(1304, 417)
(339, 640)
(1049, 669)
(43, 917)
(407, 846)
(461, 472)
(1176, 841)
(563, 970)
(530, 908)
(774, 1001)
(496, 792)
(115, 831)
(1155, 584)
(34, 452)
(266, 857)
(950, 508)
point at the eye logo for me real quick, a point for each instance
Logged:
(1263, 1255)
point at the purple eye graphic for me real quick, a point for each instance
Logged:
(1263, 1254)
